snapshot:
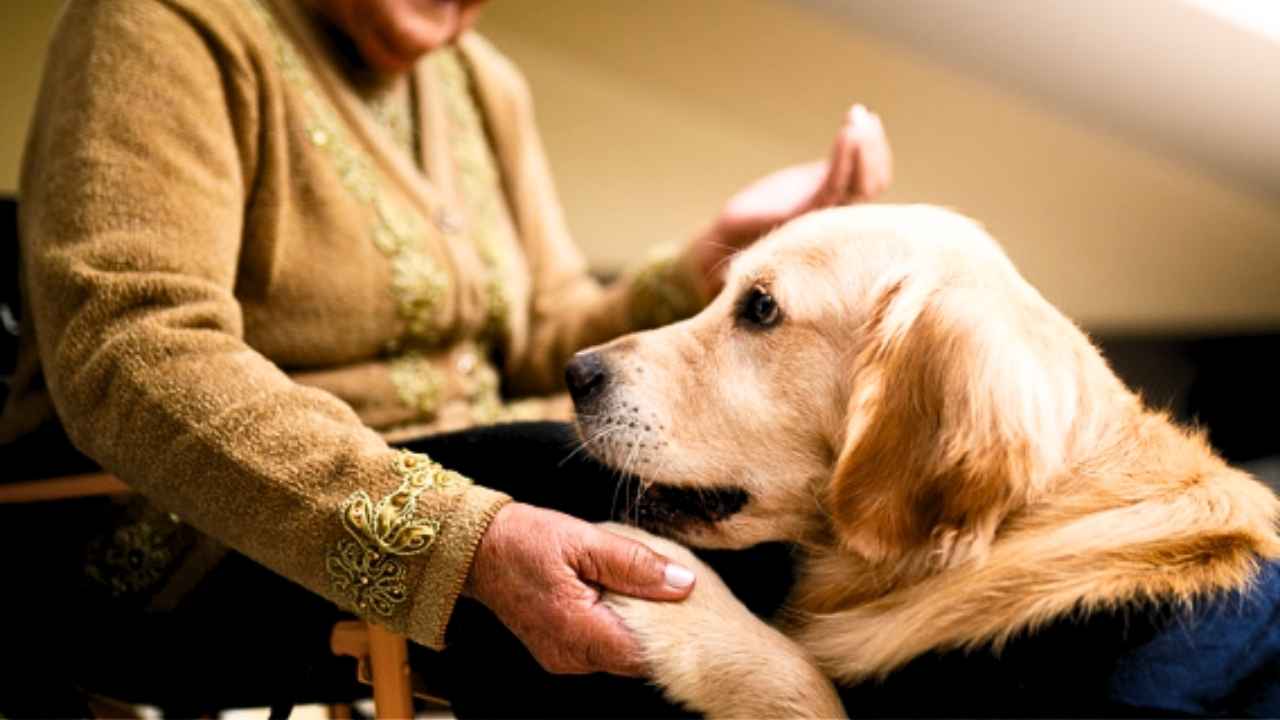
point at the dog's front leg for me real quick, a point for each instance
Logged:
(712, 655)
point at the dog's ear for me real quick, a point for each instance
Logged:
(953, 421)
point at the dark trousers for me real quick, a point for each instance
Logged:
(246, 636)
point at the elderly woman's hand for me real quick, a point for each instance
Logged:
(541, 572)
(859, 168)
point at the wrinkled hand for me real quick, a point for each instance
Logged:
(541, 572)
(859, 168)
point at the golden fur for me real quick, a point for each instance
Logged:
(955, 458)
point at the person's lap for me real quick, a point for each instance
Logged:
(491, 673)
(247, 635)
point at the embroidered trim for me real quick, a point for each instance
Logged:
(662, 292)
(373, 582)
(366, 568)
(417, 281)
(138, 555)
(418, 383)
(424, 383)
(480, 184)
(392, 107)
(481, 386)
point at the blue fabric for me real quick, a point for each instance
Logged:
(1225, 660)
(1220, 659)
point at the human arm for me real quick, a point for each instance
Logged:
(570, 310)
(141, 171)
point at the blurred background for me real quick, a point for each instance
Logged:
(1126, 152)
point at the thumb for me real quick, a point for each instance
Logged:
(843, 161)
(630, 568)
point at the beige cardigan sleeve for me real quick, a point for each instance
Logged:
(569, 310)
(133, 196)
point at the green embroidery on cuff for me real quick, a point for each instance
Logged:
(366, 568)
(372, 581)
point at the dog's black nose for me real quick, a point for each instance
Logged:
(586, 376)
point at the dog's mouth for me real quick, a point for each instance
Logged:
(659, 506)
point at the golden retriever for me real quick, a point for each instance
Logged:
(953, 457)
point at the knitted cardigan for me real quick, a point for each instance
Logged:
(238, 285)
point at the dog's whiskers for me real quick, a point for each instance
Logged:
(586, 443)
(626, 470)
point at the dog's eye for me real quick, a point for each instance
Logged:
(759, 308)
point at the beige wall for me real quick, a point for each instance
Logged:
(25, 25)
(653, 112)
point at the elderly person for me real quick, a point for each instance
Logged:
(263, 239)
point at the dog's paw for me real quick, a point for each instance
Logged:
(711, 654)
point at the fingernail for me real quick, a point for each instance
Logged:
(678, 577)
(859, 114)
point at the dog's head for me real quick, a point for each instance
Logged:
(878, 376)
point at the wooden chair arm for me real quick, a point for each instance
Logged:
(62, 488)
(382, 659)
